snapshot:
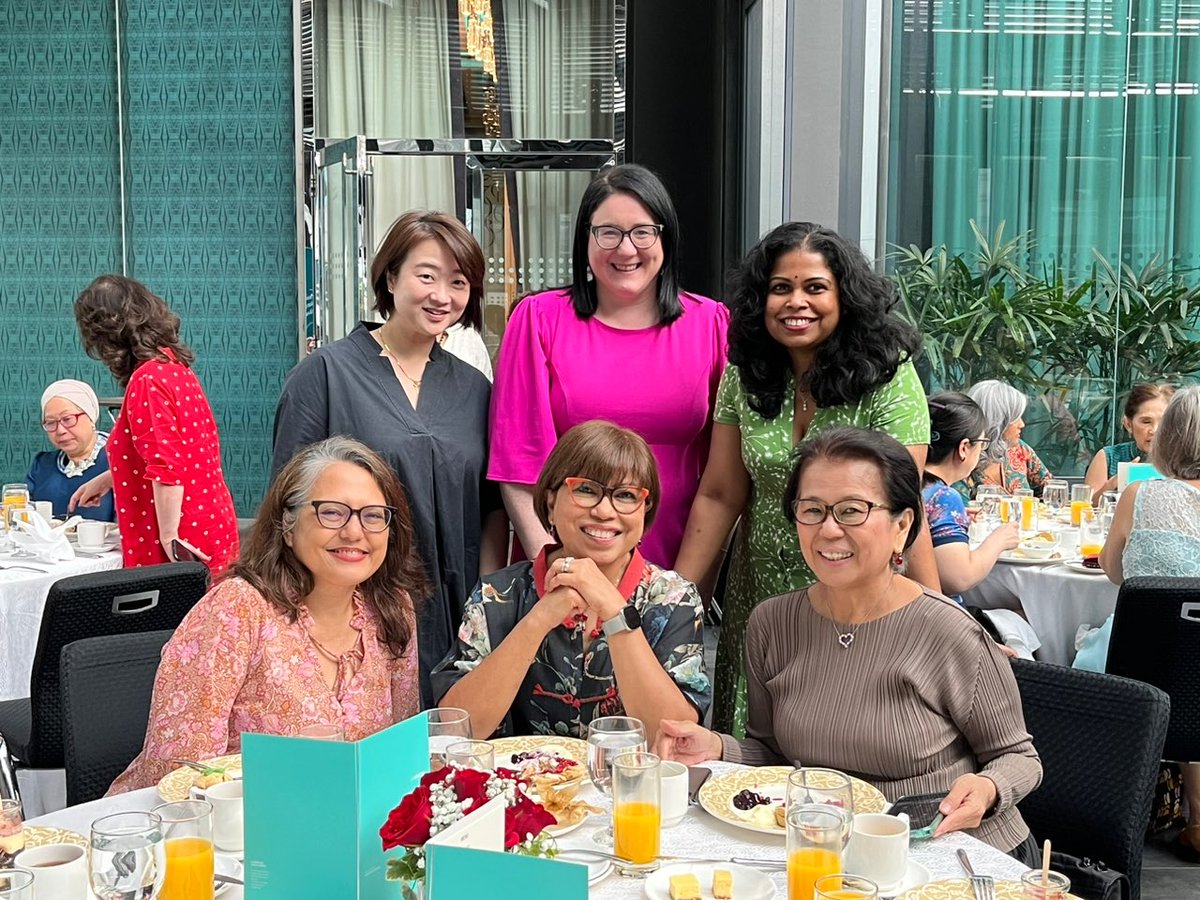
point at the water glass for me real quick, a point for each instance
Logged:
(1056, 886)
(12, 828)
(325, 731)
(637, 811)
(447, 725)
(814, 847)
(607, 736)
(127, 860)
(471, 755)
(16, 884)
(845, 887)
(989, 496)
(1056, 494)
(1108, 502)
(187, 831)
(812, 785)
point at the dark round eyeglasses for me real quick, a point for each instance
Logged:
(626, 498)
(609, 237)
(845, 512)
(333, 514)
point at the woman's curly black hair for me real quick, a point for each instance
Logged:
(864, 351)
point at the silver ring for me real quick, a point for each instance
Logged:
(566, 563)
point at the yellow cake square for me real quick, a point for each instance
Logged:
(685, 887)
(722, 886)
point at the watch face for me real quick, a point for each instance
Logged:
(632, 617)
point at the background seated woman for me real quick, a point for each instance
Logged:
(869, 672)
(70, 413)
(315, 625)
(1010, 462)
(958, 437)
(589, 628)
(1143, 411)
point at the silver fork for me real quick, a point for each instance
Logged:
(982, 886)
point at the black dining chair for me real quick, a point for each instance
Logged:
(124, 601)
(1100, 739)
(107, 683)
(1156, 639)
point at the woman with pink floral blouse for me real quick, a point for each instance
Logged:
(315, 624)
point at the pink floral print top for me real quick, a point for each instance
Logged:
(237, 664)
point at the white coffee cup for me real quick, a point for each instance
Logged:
(45, 509)
(90, 535)
(672, 792)
(59, 871)
(228, 826)
(878, 849)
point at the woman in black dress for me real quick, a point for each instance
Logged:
(425, 411)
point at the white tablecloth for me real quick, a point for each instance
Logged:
(699, 834)
(22, 599)
(1055, 600)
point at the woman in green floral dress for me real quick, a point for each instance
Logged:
(813, 344)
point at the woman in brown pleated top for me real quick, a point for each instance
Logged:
(867, 671)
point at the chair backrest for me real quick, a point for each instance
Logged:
(1156, 639)
(1100, 739)
(106, 687)
(123, 601)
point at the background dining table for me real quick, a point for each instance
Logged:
(1055, 599)
(698, 835)
(24, 584)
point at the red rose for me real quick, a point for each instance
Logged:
(437, 776)
(408, 824)
(524, 818)
(472, 783)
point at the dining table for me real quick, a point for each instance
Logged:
(698, 835)
(1055, 599)
(24, 585)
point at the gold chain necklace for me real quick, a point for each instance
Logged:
(388, 350)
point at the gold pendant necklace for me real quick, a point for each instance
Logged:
(388, 350)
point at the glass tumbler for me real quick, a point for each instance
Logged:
(16, 884)
(637, 811)
(12, 828)
(447, 725)
(1081, 499)
(1056, 886)
(814, 847)
(812, 785)
(126, 856)
(1056, 494)
(471, 755)
(187, 830)
(845, 887)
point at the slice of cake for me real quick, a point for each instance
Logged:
(722, 886)
(685, 887)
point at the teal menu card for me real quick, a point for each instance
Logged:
(460, 873)
(313, 810)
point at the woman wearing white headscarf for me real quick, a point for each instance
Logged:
(70, 413)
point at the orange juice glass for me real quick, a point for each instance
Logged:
(845, 887)
(637, 814)
(816, 836)
(1027, 504)
(187, 839)
(1077, 507)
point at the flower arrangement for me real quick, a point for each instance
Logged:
(447, 795)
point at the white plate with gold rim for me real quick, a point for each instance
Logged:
(177, 785)
(960, 889)
(571, 748)
(716, 797)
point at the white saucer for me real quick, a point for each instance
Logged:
(224, 864)
(1076, 566)
(98, 548)
(748, 884)
(914, 876)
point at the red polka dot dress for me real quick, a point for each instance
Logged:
(166, 433)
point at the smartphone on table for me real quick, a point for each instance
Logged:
(922, 811)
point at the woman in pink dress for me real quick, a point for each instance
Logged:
(314, 626)
(164, 453)
(621, 343)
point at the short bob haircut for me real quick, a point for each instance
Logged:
(1143, 392)
(647, 188)
(1176, 449)
(605, 453)
(1002, 404)
(411, 229)
(897, 472)
(953, 418)
(271, 567)
(864, 351)
(123, 324)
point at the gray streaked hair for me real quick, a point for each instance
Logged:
(1176, 448)
(311, 463)
(1002, 404)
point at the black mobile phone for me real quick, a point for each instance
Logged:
(922, 812)
(180, 552)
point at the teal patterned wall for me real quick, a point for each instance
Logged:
(210, 179)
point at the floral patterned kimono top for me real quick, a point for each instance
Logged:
(567, 686)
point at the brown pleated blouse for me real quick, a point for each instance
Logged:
(921, 696)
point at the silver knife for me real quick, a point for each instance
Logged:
(697, 775)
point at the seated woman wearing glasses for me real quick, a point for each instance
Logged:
(904, 688)
(314, 625)
(70, 414)
(958, 437)
(589, 628)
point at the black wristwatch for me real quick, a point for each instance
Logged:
(628, 619)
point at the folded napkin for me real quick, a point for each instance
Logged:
(48, 541)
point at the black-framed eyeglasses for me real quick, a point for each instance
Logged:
(67, 421)
(983, 443)
(333, 514)
(626, 498)
(845, 512)
(609, 237)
